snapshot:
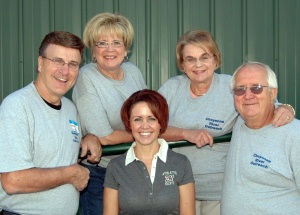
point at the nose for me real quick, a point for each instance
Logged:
(110, 47)
(65, 69)
(145, 124)
(248, 93)
(198, 63)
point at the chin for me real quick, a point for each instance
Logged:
(145, 142)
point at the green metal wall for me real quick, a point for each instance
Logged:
(260, 30)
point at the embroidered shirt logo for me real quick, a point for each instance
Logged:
(169, 177)
(74, 130)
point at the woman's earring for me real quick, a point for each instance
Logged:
(125, 58)
(94, 60)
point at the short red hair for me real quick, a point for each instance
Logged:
(156, 102)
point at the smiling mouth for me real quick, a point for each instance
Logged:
(61, 79)
(198, 72)
(145, 133)
(110, 57)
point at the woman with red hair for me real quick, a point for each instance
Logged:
(149, 178)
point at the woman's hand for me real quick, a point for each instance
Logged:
(199, 137)
(283, 115)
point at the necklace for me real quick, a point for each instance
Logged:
(195, 93)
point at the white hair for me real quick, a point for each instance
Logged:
(271, 76)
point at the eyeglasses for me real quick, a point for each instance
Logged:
(255, 89)
(203, 59)
(104, 44)
(60, 62)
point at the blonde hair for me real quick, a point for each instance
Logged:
(107, 24)
(202, 39)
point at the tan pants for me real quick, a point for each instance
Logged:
(207, 207)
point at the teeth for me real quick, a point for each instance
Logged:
(145, 133)
(109, 57)
(61, 79)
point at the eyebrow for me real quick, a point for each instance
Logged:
(204, 54)
(72, 61)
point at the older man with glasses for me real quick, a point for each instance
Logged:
(262, 174)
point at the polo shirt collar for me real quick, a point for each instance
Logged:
(162, 153)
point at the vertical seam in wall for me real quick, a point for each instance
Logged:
(276, 37)
(116, 6)
(83, 23)
(1, 55)
(212, 24)
(148, 44)
(244, 29)
(52, 15)
(21, 43)
(180, 32)
(180, 18)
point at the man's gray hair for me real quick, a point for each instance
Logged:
(271, 76)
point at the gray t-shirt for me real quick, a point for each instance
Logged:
(214, 112)
(32, 135)
(99, 99)
(262, 174)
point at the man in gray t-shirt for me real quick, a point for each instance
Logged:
(40, 136)
(262, 174)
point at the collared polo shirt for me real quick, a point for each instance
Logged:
(138, 193)
(162, 154)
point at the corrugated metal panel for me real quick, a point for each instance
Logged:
(11, 69)
(266, 31)
(229, 33)
(289, 53)
(137, 12)
(163, 32)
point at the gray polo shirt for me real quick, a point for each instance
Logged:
(137, 194)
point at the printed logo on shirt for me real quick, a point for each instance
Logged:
(169, 177)
(74, 130)
(214, 124)
(260, 161)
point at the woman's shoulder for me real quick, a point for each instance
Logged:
(128, 66)
(178, 78)
(118, 160)
(223, 77)
(88, 67)
(175, 81)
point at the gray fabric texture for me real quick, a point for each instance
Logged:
(32, 135)
(137, 195)
(99, 99)
(213, 112)
(262, 173)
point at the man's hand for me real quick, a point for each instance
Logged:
(80, 176)
(91, 147)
